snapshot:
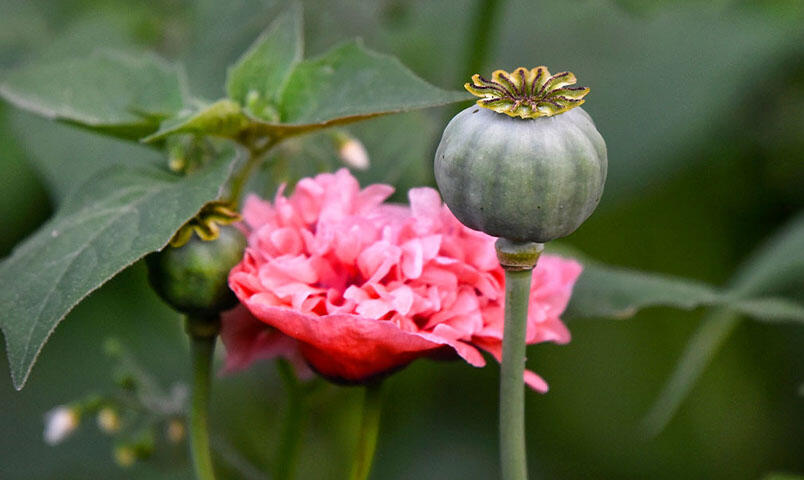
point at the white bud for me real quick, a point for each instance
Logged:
(353, 154)
(60, 423)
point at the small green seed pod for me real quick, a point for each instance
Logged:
(523, 164)
(193, 278)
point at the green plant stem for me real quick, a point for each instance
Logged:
(369, 428)
(240, 179)
(512, 387)
(202, 347)
(481, 33)
(518, 260)
(290, 442)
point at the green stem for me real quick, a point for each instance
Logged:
(512, 387)
(241, 177)
(290, 443)
(518, 259)
(203, 335)
(369, 427)
(481, 33)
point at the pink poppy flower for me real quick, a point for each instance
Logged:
(248, 340)
(366, 287)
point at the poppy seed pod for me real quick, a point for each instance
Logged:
(193, 278)
(524, 164)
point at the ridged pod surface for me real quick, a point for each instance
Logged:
(524, 179)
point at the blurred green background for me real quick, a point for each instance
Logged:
(701, 103)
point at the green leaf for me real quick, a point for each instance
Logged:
(350, 83)
(776, 264)
(770, 309)
(114, 93)
(347, 84)
(260, 74)
(715, 328)
(223, 118)
(116, 218)
(603, 291)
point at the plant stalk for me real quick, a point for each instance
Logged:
(290, 442)
(369, 428)
(518, 260)
(485, 21)
(255, 157)
(203, 333)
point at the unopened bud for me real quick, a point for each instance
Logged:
(351, 151)
(175, 431)
(125, 456)
(139, 447)
(60, 422)
(108, 420)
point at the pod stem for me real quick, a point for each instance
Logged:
(203, 333)
(518, 260)
(369, 428)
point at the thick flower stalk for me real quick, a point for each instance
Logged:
(366, 287)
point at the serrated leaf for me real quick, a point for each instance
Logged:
(117, 94)
(223, 118)
(351, 82)
(347, 84)
(604, 291)
(116, 218)
(259, 75)
(65, 157)
(776, 264)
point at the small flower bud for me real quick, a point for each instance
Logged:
(175, 431)
(108, 420)
(139, 447)
(351, 151)
(125, 456)
(60, 422)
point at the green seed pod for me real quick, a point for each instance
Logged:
(193, 278)
(525, 164)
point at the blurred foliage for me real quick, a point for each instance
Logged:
(702, 107)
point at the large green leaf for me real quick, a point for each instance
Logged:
(347, 84)
(351, 82)
(260, 74)
(603, 291)
(776, 265)
(116, 218)
(118, 94)
(65, 157)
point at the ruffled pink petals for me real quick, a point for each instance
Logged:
(346, 347)
(248, 340)
(365, 287)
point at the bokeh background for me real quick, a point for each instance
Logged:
(701, 103)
